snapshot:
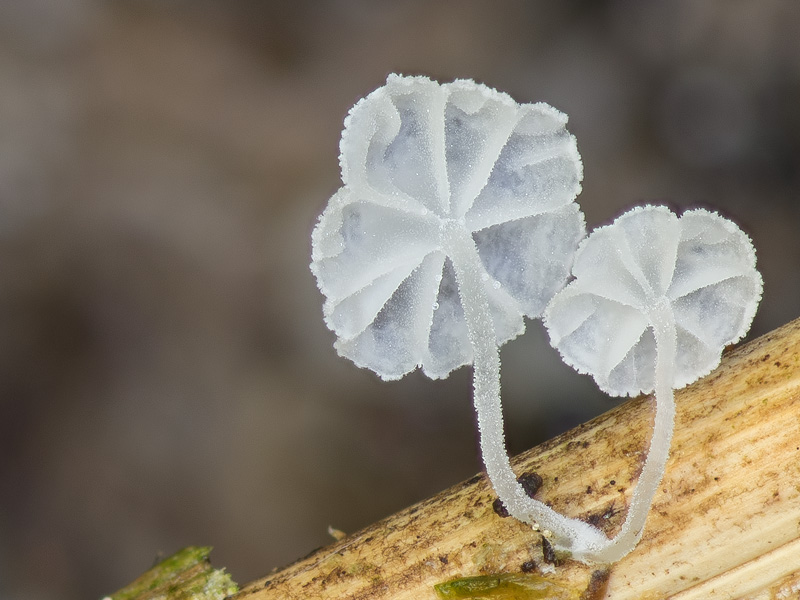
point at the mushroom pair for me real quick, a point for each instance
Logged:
(457, 218)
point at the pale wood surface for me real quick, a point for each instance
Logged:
(725, 524)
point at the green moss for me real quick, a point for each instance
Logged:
(186, 575)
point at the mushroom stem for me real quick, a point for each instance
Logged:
(470, 275)
(663, 323)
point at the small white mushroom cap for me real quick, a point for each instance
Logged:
(700, 266)
(424, 166)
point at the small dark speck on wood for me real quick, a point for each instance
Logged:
(597, 585)
(500, 508)
(531, 482)
(548, 552)
(528, 566)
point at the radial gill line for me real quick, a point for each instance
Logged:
(501, 133)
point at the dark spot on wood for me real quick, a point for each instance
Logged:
(443, 560)
(612, 482)
(588, 489)
(528, 566)
(777, 363)
(594, 519)
(548, 552)
(473, 480)
(267, 583)
(574, 445)
(598, 582)
(531, 482)
(499, 508)
(597, 519)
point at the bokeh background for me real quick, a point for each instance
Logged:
(166, 378)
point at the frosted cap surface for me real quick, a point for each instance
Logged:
(701, 264)
(420, 159)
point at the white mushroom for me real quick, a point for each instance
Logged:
(654, 301)
(456, 219)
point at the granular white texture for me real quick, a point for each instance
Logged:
(433, 173)
(701, 267)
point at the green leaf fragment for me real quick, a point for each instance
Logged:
(506, 586)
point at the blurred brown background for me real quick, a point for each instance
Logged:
(165, 374)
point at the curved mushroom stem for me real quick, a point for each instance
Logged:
(586, 542)
(568, 533)
(663, 323)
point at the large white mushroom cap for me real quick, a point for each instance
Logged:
(423, 165)
(700, 266)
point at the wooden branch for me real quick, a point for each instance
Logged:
(725, 524)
